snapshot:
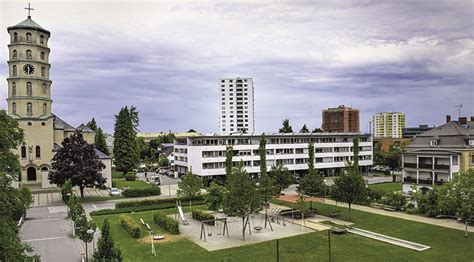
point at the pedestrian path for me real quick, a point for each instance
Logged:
(53, 197)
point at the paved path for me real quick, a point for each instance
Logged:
(53, 198)
(449, 223)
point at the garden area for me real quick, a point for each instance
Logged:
(387, 187)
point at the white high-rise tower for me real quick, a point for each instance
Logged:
(236, 105)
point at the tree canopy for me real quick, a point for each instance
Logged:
(304, 129)
(312, 183)
(189, 186)
(281, 176)
(77, 161)
(126, 153)
(11, 137)
(286, 128)
(106, 249)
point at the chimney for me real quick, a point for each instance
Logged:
(463, 120)
(448, 118)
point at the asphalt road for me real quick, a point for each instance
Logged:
(165, 180)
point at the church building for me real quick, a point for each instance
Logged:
(29, 102)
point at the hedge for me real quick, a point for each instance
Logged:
(201, 216)
(199, 200)
(132, 209)
(130, 177)
(169, 224)
(130, 226)
(151, 191)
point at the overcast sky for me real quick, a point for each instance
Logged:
(165, 58)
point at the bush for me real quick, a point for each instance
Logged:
(130, 177)
(167, 223)
(114, 184)
(130, 226)
(199, 200)
(375, 194)
(141, 192)
(66, 189)
(201, 216)
(395, 199)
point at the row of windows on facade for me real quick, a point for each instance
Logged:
(232, 80)
(238, 98)
(15, 71)
(238, 103)
(256, 141)
(29, 38)
(37, 152)
(237, 94)
(283, 151)
(238, 112)
(29, 108)
(29, 55)
(29, 89)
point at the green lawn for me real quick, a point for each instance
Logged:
(447, 244)
(116, 174)
(387, 187)
(137, 184)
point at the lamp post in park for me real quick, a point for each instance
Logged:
(67, 204)
(90, 232)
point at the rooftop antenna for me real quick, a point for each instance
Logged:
(459, 109)
(29, 10)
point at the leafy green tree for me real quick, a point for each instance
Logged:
(282, 177)
(394, 156)
(11, 137)
(77, 161)
(190, 186)
(66, 189)
(229, 154)
(192, 131)
(267, 186)
(312, 184)
(379, 155)
(355, 150)
(286, 128)
(100, 142)
(92, 124)
(241, 198)
(106, 249)
(82, 225)
(143, 149)
(459, 195)
(304, 129)
(163, 161)
(125, 144)
(349, 187)
(317, 130)
(215, 196)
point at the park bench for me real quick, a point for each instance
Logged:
(338, 230)
(446, 217)
(258, 228)
(335, 213)
(375, 205)
(389, 208)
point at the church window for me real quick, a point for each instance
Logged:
(44, 89)
(41, 39)
(28, 54)
(23, 152)
(29, 89)
(28, 37)
(14, 108)
(45, 108)
(42, 56)
(13, 89)
(14, 70)
(15, 54)
(29, 109)
(38, 151)
(43, 71)
(15, 37)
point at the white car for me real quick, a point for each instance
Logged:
(114, 192)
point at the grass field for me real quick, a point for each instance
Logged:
(447, 244)
(387, 187)
(137, 184)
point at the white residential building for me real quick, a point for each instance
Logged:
(388, 124)
(236, 106)
(205, 154)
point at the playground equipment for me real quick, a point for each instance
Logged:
(225, 229)
(181, 213)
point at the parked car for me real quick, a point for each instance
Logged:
(157, 181)
(114, 192)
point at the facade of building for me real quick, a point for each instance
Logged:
(410, 132)
(435, 156)
(29, 102)
(236, 105)
(388, 124)
(341, 119)
(205, 155)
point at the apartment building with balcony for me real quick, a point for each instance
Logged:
(236, 107)
(437, 155)
(205, 154)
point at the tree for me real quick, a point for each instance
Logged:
(459, 195)
(304, 129)
(190, 186)
(312, 184)
(125, 144)
(286, 128)
(241, 198)
(163, 161)
(317, 130)
(11, 137)
(349, 187)
(100, 142)
(82, 225)
(106, 249)
(394, 156)
(229, 154)
(192, 131)
(92, 124)
(77, 161)
(282, 177)
(215, 196)
(66, 189)
(379, 156)
(267, 186)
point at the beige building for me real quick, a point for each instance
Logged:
(388, 124)
(29, 102)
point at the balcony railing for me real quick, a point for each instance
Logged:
(425, 166)
(425, 181)
(442, 167)
(439, 182)
(409, 180)
(410, 165)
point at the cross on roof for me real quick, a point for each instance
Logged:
(29, 9)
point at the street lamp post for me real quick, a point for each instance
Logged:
(67, 206)
(90, 232)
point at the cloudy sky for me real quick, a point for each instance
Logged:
(165, 58)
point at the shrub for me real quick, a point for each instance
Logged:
(199, 200)
(141, 192)
(130, 226)
(167, 223)
(375, 194)
(130, 177)
(395, 199)
(66, 189)
(201, 216)
(114, 184)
